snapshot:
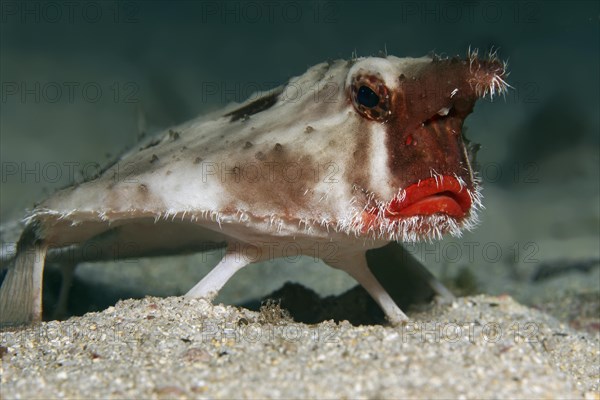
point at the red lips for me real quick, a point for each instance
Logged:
(440, 195)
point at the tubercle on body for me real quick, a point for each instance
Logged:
(394, 132)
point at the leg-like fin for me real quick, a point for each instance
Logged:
(210, 285)
(356, 266)
(405, 278)
(21, 291)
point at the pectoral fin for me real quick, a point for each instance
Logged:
(356, 266)
(209, 287)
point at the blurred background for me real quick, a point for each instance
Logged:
(82, 80)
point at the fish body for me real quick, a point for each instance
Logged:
(345, 158)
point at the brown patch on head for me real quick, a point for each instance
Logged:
(424, 131)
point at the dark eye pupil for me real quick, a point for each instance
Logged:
(367, 97)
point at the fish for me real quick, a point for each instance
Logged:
(347, 157)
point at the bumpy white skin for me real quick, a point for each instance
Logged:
(287, 174)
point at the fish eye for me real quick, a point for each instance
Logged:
(367, 97)
(370, 97)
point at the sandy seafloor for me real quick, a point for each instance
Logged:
(478, 347)
(529, 326)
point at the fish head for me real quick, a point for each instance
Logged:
(416, 178)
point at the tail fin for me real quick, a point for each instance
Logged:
(21, 291)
